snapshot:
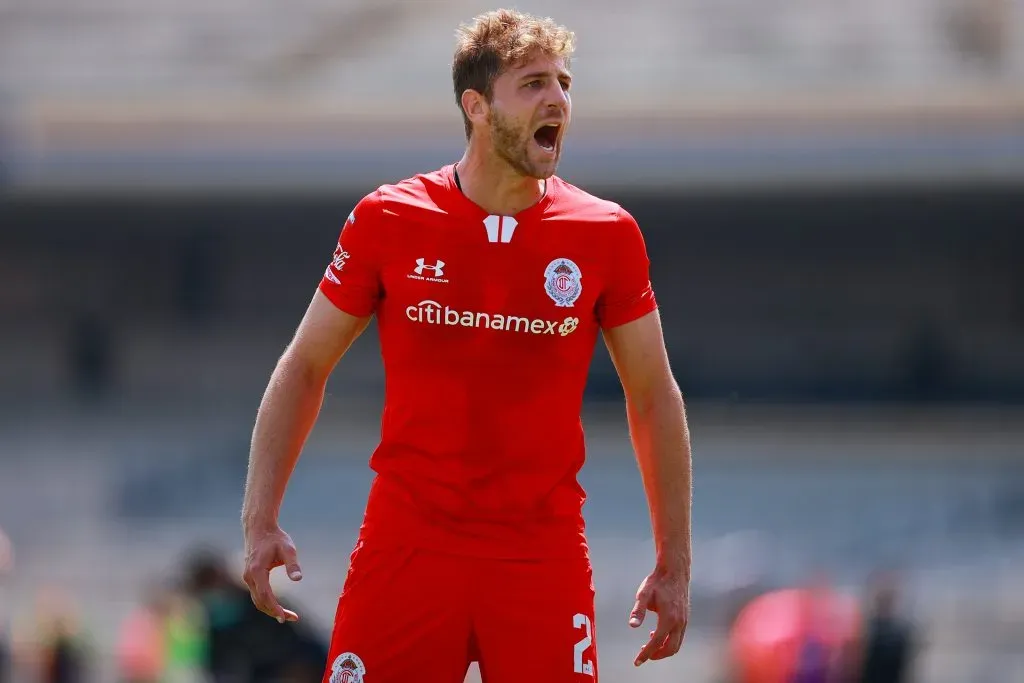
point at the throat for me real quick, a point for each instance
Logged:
(496, 200)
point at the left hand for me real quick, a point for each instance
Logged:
(668, 595)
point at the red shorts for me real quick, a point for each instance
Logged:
(407, 615)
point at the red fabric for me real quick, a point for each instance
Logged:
(407, 614)
(487, 329)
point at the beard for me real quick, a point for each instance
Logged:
(512, 145)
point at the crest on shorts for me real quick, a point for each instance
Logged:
(563, 282)
(347, 668)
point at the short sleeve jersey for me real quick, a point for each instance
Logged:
(487, 328)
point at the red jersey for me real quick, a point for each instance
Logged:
(487, 327)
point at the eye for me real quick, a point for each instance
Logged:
(535, 84)
(565, 85)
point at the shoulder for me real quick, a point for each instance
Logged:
(420, 192)
(403, 198)
(576, 204)
(609, 227)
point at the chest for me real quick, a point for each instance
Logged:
(540, 279)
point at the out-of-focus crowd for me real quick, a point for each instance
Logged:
(199, 626)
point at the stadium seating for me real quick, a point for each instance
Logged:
(651, 52)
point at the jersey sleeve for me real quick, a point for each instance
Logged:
(352, 280)
(628, 293)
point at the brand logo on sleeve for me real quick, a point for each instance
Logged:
(337, 264)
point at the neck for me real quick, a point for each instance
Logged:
(494, 186)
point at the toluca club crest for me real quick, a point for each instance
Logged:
(562, 282)
(347, 668)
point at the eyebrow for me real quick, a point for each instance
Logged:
(562, 75)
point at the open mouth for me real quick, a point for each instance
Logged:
(547, 136)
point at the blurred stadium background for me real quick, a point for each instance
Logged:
(833, 197)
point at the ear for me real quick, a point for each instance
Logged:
(475, 105)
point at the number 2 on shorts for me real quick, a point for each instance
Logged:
(578, 665)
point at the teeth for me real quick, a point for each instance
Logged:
(548, 146)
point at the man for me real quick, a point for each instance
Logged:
(243, 646)
(490, 279)
(887, 649)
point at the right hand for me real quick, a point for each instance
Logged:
(668, 595)
(265, 551)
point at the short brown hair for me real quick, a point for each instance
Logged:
(494, 41)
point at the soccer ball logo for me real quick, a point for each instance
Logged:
(562, 282)
(347, 668)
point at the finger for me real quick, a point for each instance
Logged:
(263, 596)
(249, 577)
(291, 563)
(266, 602)
(637, 614)
(671, 645)
(647, 650)
(658, 637)
(639, 611)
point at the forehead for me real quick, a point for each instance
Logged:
(538, 63)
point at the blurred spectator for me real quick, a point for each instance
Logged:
(54, 648)
(162, 641)
(186, 646)
(819, 651)
(141, 656)
(244, 645)
(888, 642)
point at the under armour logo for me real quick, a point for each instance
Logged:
(437, 269)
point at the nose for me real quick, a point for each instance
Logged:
(557, 98)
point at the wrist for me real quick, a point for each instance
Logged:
(253, 523)
(673, 565)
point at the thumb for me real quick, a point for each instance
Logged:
(643, 598)
(636, 616)
(291, 566)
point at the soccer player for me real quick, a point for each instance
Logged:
(491, 279)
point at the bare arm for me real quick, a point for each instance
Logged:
(291, 405)
(661, 440)
(286, 416)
